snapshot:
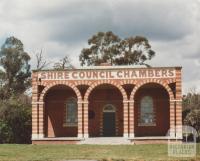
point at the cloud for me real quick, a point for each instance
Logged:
(158, 20)
(63, 27)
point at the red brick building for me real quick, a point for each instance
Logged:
(69, 106)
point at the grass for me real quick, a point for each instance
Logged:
(14, 152)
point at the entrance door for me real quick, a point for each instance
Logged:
(109, 120)
(109, 124)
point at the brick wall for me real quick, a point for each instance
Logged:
(47, 114)
(161, 112)
(55, 104)
(98, 99)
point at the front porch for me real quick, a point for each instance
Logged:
(106, 140)
(62, 117)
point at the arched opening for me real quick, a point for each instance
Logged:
(105, 111)
(151, 109)
(61, 112)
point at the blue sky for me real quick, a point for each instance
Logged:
(62, 27)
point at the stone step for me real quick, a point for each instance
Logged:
(106, 140)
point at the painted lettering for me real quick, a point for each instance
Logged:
(108, 74)
(142, 73)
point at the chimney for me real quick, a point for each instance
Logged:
(105, 64)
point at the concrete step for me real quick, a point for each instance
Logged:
(106, 141)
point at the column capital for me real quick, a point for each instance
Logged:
(37, 103)
(176, 100)
(83, 102)
(128, 101)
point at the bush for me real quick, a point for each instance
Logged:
(193, 119)
(15, 122)
(5, 133)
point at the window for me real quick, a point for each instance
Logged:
(71, 112)
(146, 112)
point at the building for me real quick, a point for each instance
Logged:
(70, 106)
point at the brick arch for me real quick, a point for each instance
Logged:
(128, 81)
(172, 80)
(82, 82)
(164, 85)
(120, 88)
(49, 86)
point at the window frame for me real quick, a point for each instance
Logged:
(140, 113)
(70, 124)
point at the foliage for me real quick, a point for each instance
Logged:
(193, 119)
(15, 111)
(109, 48)
(191, 110)
(15, 73)
(15, 121)
(64, 63)
(134, 50)
(6, 134)
(103, 49)
(191, 100)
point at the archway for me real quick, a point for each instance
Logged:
(151, 110)
(60, 112)
(100, 98)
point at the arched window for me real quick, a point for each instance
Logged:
(71, 118)
(146, 112)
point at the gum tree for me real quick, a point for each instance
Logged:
(109, 48)
(15, 69)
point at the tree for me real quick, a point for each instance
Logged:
(64, 63)
(134, 50)
(15, 73)
(103, 49)
(109, 48)
(40, 62)
(191, 100)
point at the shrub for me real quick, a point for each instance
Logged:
(15, 122)
(193, 119)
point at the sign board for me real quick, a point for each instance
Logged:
(107, 74)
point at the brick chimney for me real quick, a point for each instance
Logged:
(105, 64)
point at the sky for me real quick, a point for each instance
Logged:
(62, 27)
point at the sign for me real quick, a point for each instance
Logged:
(107, 74)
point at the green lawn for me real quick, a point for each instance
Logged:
(12, 152)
